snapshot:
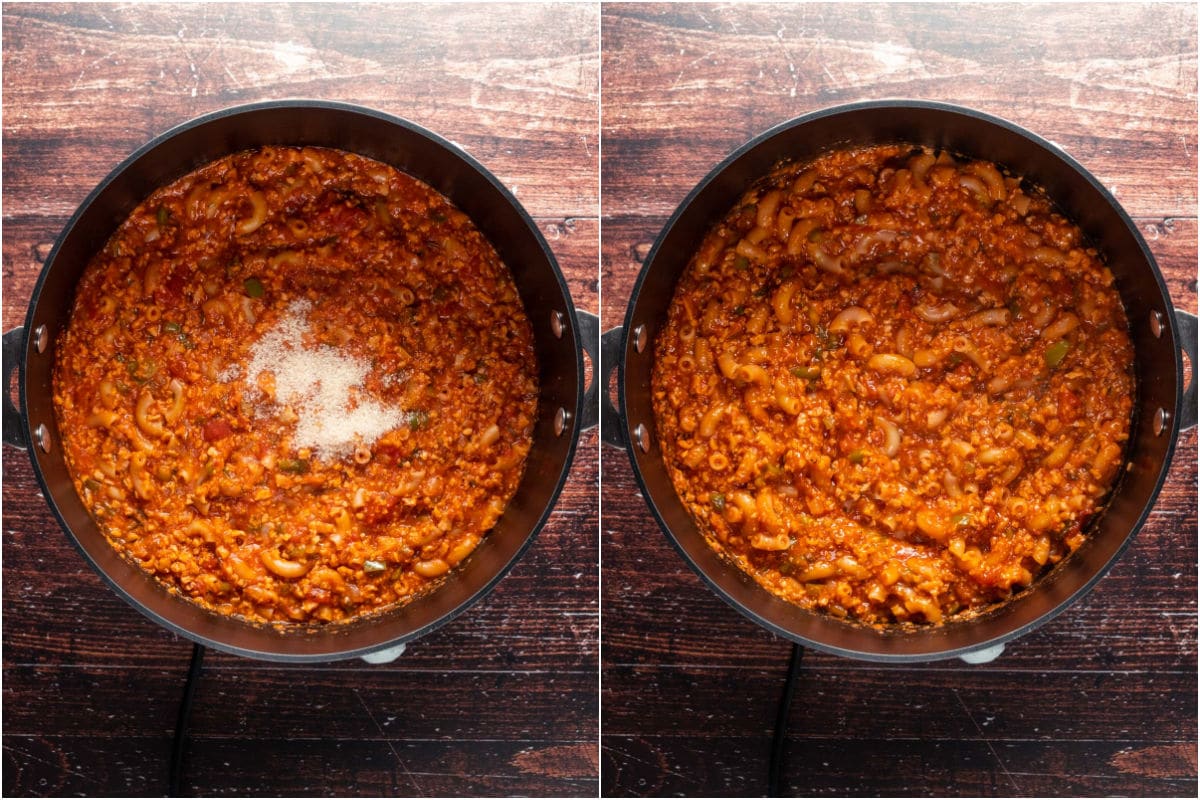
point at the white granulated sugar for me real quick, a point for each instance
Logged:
(323, 385)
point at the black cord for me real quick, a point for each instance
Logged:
(779, 741)
(181, 723)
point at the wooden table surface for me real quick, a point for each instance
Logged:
(1100, 701)
(503, 700)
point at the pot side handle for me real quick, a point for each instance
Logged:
(14, 421)
(611, 432)
(984, 655)
(1187, 331)
(589, 334)
(384, 656)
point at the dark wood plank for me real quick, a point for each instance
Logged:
(261, 702)
(501, 701)
(371, 766)
(673, 766)
(399, 769)
(904, 703)
(1100, 700)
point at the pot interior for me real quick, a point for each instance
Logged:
(476, 192)
(1082, 199)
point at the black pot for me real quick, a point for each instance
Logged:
(558, 331)
(1161, 408)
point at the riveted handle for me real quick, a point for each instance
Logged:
(610, 418)
(14, 420)
(589, 334)
(1187, 333)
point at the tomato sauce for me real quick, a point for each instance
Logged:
(297, 386)
(894, 386)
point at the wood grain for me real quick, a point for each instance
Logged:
(669, 766)
(1101, 700)
(514, 85)
(689, 685)
(364, 765)
(1114, 87)
(501, 701)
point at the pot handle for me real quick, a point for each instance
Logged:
(589, 334)
(611, 430)
(984, 655)
(14, 422)
(384, 656)
(1187, 331)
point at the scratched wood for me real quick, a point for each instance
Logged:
(1114, 87)
(720, 766)
(1100, 701)
(501, 701)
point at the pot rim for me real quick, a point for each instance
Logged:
(271, 634)
(989, 644)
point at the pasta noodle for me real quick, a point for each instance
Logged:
(315, 396)
(921, 391)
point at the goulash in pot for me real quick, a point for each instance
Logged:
(893, 385)
(297, 386)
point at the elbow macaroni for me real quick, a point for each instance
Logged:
(909, 390)
(194, 469)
